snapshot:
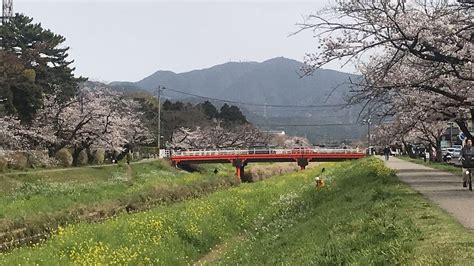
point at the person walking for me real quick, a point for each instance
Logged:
(129, 156)
(466, 157)
(386, 152)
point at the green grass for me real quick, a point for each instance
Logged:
(174, 234)
(363, 216)
(39, 201)
(366, 217)
(439, 166)
(9, 181)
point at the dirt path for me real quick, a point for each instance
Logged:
(129, 172)
(213, 255)
(442, 188)
(217, 252)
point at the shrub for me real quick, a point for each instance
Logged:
(258, 173)
(146, 152)
(52, 162)
(82, 158)
(3, 164)
(99, 156)
(17, 160)
(136, 155)
(38, 159)
(64, 157)
(30, 74)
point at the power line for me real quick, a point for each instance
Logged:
(257, 104)
(312, 125)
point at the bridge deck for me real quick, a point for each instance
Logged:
(268, 155)
(240, 158)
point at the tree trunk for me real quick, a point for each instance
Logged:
(439, 153)
(408, 149)
(53, 149)
(51, 152)
(90, 156)
(472, 124)
(75, 155)
(464, 128)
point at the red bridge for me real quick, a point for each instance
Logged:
(240, 158)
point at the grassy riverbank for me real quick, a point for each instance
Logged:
(35, 202)
(366, 217)
(363, 216)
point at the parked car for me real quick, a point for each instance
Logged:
(447, 157)
(444, 151)
(394, 152)
(450, 151)
(456, 153)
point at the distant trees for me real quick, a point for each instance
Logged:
(232, 115)
(289, 142)
(209, 110)
(177, 115)
(33, 63)
(199, 125)
(19, 93)
(148, 107)
(179, 118)
(414, 50)
(218, 137)
(203, 126)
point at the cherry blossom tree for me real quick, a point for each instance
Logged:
(95, 118)
(402, 48)
(410, 123)
(14, 136)
(218, 137)
(295, 142)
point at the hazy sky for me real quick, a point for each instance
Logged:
(129, 40)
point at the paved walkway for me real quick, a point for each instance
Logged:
(444, 189)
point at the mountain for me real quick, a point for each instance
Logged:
(276, 81)
(273, 82)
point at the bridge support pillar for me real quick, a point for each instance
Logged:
(240, 169)
(302, 163)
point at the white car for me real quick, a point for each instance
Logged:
(456, 153)
(450, 150)
(394, 152)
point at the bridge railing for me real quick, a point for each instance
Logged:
(263, 151)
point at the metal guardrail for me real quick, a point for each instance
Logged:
(263, 151)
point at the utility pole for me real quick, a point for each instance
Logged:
(451, 133)
(266, 120)
(159, 118)
(7, 10)
(369, 122)
(368, 131)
